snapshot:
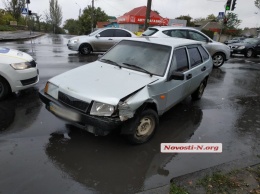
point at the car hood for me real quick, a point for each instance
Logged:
(101, 82)
(9, 56)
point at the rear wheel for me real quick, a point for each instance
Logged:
(218, 60)
(4, 88)
(85, 49)
(249, 53)
(145, 126)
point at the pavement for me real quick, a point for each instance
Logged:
(6, 36)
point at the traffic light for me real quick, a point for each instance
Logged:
(228, 5)
(29, 12)
(233, 5)
(28, 1)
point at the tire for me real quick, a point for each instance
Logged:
(145, 126)
(218, 60)
(199, 92)
(249, 53)
(4, 88)
(85, 49)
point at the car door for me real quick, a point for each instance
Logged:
(196, 56)
(178, 89)
(257, 48)
(120, 34)
(193, 35)
(104, 40)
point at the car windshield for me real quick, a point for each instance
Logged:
(149, 32)
(251, 40)
(140, 56)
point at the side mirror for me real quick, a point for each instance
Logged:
(98, 35)
(177, 76)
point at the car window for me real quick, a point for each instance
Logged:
(176, 33)
(180, 62)
(195, 57)
(150, 32)
(148, 56)
(197, 36)
(107, 33)
(203, 53)
(122, 33)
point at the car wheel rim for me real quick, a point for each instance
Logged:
(1, 88)
(201, 89)
(145, 127)
(249, 53)
(218, 60)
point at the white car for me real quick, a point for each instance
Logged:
(18, 71)
(100, 40)
(218, 51)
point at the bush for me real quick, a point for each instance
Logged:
(6, 28)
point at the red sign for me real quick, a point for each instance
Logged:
(141, 20)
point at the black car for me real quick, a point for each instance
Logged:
(234, 40)
(249, 47)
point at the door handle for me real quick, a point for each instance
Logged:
(189, 76)
(110, 39)
(203, 68)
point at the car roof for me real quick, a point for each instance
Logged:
(173, 27)
(172, 42)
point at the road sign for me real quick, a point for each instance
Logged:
(24, 11)
(221, 15)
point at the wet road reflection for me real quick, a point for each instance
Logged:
(109, 165)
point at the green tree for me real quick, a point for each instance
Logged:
(54, 16)
(5, 18)
(72, 26)
(211, 17)
(14, 7)
(86, 18)
(188, 18)
(232, 21)
(257, 3)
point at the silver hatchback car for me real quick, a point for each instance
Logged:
(130, 86)
(219, 51)
(98, 41)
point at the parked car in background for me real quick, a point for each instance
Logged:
(219, 51)
(250, 47)
(18, 71)
(234, 40)
(98, 41)
(130, 86)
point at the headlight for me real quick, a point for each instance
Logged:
(21, 66)
(51, 90)
(102, 109)
(74, 41)
(241, 47)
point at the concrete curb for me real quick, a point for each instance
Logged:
(21, 38)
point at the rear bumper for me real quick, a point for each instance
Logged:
(94, 124)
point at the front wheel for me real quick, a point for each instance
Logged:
(145, 126)
(249, 53)
(218, 60)
(4, 88)
(199, 92)
(85, 49)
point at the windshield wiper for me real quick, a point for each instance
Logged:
(111, 62)
(137, 67)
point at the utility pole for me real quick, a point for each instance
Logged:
(92, 18)
(148, 11)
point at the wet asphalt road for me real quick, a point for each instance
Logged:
(39, 153)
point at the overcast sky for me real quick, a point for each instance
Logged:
(245, 9)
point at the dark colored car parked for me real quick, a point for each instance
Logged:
(235, 40)
(249, 47)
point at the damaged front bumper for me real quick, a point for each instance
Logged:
(94, 124)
